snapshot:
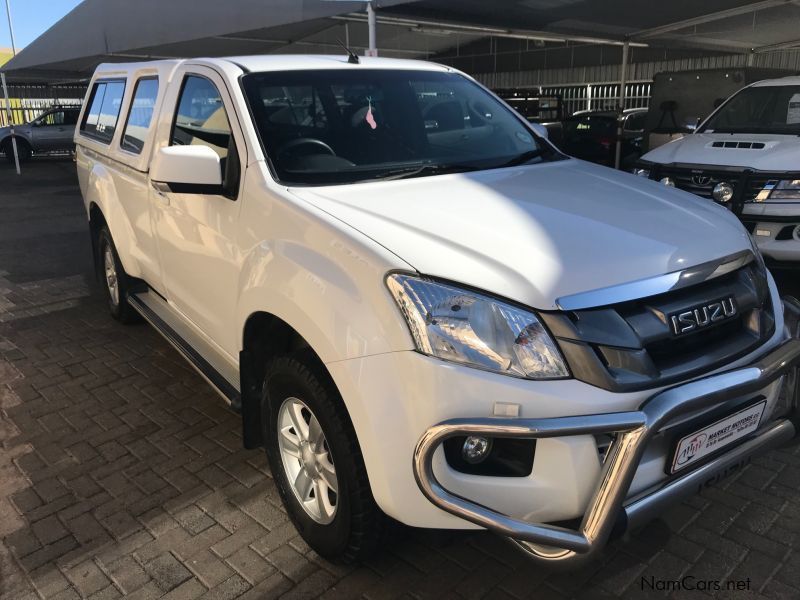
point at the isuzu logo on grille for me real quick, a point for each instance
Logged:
(702, 316)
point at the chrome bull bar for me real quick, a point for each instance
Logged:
(633, 431)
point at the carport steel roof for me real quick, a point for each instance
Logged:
(119, 30)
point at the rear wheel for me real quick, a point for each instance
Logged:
(24, 151)
(316, 461)
(116, 281)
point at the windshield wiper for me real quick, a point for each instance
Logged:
(423, 170)
(521, 159)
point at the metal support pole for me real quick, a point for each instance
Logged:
(5, 90)
(10, 121)
(371, 24)
(11, 29)
(621, 109)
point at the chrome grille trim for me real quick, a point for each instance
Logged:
(652, 286)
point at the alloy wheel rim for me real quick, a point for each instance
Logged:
(111, 275)
(307, 460)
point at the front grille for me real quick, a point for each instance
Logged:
(701, 182)
(631, 345)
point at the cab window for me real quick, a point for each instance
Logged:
(140, 115)
(100, 120)
(201, 119)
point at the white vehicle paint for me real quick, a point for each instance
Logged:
(494, 281)
(753, 146)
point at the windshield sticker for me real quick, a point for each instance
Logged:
(370, 118)
(793, 114)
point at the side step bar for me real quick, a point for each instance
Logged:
(222, 386)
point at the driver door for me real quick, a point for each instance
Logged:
(49, 129)
(195, 227)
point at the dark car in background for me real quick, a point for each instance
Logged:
(592, 136)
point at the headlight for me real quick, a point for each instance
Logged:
(785, 189)
(472, 329)
(641, 172)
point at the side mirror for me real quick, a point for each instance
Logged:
(540, 130)
(189, 169)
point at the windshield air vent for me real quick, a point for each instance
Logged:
(741, 145)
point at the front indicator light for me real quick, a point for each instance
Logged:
(723, 192)
(474, 329)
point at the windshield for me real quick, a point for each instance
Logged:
(350, 125)
(768, 109)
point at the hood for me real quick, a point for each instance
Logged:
(536, 233)
(780, 152)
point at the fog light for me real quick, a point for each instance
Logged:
(668, 181)
(476, 449)
(723, 192)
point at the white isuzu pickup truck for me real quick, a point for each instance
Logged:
(745, 156)
(422, 309)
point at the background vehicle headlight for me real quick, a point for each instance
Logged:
(476, 330)
(668, 181)
(641, 172)
(723, 192)
(785, 189)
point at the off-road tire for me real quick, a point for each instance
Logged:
(358, 524)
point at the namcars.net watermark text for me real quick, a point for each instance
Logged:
(690, 583)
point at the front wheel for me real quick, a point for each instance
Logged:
(316, 461)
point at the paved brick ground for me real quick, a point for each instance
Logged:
(122, 474)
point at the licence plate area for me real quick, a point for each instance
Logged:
(694, 447)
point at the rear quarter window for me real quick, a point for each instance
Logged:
(105, 102)
(140, 115)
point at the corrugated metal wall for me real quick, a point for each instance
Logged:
(594, 87)
(643, 71)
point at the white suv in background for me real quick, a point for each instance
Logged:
(746, 155)
(421, 308)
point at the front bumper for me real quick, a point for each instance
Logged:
(775, 234)
(633, 431)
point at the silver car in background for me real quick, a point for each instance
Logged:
(51, 131)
